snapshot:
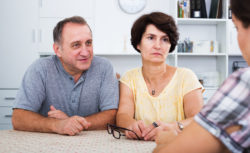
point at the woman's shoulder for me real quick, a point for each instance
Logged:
(133, 72)
(184, 71)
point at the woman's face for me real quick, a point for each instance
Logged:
(154, 45)
(243, 38)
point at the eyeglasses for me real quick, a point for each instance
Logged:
(116, 131)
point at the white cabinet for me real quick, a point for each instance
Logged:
(66, 8)
(7, 98)
(18, 40)
(52, 11)
(17, 50)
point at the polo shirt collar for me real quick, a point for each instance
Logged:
(61, 68)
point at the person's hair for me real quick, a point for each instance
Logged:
(57, 32)
(241, 9)
(163, 22)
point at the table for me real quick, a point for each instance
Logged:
(87, 141)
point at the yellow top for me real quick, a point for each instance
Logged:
(168, 106)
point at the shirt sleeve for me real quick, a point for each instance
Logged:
(228, 107)
(190, 82)
(109, 92)
(31, 94)
(126, 79)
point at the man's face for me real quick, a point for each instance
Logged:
(243, 38)
(75, 50)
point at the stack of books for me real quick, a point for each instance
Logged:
(197, 9)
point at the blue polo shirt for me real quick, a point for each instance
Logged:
(46, 83)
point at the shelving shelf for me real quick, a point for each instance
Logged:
(201, 54)
(200, 21)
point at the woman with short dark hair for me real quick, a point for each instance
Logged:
(157, 96)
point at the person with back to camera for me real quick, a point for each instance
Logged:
(223, 124)
(70, 91)
(157, 96)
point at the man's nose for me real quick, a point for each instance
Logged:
(84, 51)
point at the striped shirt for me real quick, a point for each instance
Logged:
(230, 106)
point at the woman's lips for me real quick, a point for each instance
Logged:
(156, 53)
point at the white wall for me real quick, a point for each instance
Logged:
(112, 26)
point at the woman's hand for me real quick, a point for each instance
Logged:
(138, 127)
(151, 131)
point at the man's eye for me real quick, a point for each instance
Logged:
(76, 45)
(89, 43)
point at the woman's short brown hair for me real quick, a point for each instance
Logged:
(163, 22)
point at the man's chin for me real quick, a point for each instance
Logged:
(84, 67)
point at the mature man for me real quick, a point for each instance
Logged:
(70, 91)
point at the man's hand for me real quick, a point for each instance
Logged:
(138, 127)
(72, 125)
(165, 137)
(58, 114)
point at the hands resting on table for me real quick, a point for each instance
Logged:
(151, 132)
(68, 125)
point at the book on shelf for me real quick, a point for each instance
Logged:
(203, 9)
(216, 9)
(192, 9)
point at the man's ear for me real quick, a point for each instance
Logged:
(57, 49)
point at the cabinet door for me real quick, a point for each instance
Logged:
(7, 97)
(66, 8)
(18, 39)
(45, 33)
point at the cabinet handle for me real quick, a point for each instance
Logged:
(40, 35)
(7, 115)
(9, 98)
(34, 35)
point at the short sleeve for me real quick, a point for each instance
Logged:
(190, 82)
(31, 94)
(127, 79)
(226, 108)
(109, 92)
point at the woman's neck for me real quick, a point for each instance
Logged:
(153, 73)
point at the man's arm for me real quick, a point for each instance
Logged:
(25, 120)
(99, 120)
(194, 139)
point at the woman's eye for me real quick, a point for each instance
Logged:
(166, 39)
(150, 37)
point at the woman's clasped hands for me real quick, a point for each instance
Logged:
(149, 132)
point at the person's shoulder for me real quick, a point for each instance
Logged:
(241, 74)
(41, 63)
(184, 71)
(97, 60)
(133, 71)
